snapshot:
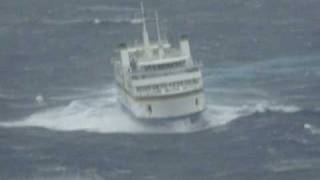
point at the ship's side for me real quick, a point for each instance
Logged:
(157, 81)
(164, 108)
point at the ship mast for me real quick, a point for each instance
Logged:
(159, 36)
(145, 35)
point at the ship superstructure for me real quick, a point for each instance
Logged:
(157, 81)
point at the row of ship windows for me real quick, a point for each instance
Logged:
(173, 85)
(163, 66)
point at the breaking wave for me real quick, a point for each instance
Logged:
(94, 20)
(312, 129)
(221, 115)
(102, 114)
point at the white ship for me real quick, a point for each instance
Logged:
(157, 81)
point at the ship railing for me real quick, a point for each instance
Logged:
(168, 53)
(137, 46)
(168, 91)
(135, 75)
(174, 53)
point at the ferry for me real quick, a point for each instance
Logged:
(157, 81)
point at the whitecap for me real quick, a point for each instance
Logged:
(311, 128)
(222, 114)
(97, 21)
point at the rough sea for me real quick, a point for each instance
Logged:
(59, 116)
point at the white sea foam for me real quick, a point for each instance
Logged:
(312, 129)
(102, 114)
(293, 165)
(222, 114)
(265, 106)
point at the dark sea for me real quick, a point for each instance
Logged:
(59, 116)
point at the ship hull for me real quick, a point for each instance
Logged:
(166, 108)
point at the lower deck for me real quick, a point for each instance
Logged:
(163, 107)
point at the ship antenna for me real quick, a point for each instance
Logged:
(159, 35)
(145, 34)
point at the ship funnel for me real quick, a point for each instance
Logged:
(124, 55)
(185, 49)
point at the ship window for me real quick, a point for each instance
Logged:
(149, 108)
(197, 102)
(133, 64)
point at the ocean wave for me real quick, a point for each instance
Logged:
(82, 93)
(52, 169)
(69, 177)
(10, 96)
(238, 91)
(301, 65)
(30, 105)
(94, 21)
(79, 115)
(293, 165)
(222, 114)
(102, 114)
(98, 115)
(264, 106)
(21, 102)
(312, 129)
(104, 8)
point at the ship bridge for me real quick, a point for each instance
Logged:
(172, 74)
